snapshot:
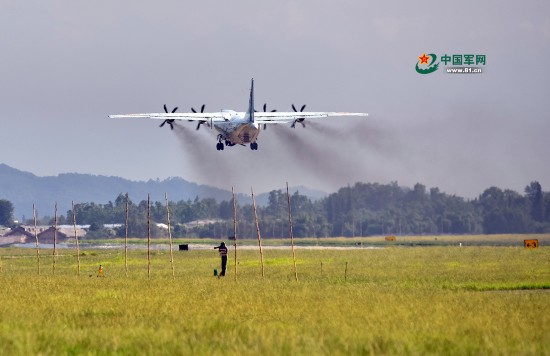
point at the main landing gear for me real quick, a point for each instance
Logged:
(219, 145)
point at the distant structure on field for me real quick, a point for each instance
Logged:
(26, 234)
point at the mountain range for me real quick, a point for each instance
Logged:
(23, 189)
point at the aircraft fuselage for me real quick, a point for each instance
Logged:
(237, 129)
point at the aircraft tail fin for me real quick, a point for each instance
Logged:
(250, 112)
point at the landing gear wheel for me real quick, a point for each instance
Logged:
(219, 146)
(254, 146)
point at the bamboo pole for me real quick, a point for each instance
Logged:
(234, 229)
(76, 238)
(54, 239)
(126, 240)
(169, 235)
(346, 272)
(258, 232)
(148, 235)
(36, 237)
(291, 234)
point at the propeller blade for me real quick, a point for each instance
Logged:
(202, 109)
(300, 119)
(171, 125)
(161, 125)
(165, 109)
(265, 108)
(198, 125)
(173, 111)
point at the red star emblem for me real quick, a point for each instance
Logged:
(424, 58)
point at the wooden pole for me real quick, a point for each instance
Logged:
(148, 235)
(126, 240)
(76, 238)
(36, 237)
(258, 232)
(234, 229)
(169, 235)
(346, 272)
(54, 239)
(291, 234)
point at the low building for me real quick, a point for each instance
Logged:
(17, 236)
(30, 228)
(69, 230)
(199, 223)
(26, 234)
(63, 235)
(4, 230)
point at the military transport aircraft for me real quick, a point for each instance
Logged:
(238, 128)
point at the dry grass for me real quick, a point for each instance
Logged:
(450, 300)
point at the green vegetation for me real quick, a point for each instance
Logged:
(364, 209)
(6, 212)
(395, 300)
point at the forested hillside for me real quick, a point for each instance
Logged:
(363, 209)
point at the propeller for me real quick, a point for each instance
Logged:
(301, 119)
(202, 109)
(202, 121)
(265, 110)
(169, 121)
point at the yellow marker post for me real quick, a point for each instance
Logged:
(100, 272)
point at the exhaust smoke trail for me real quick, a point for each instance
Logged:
(236, 166)
(195, 147)
(321, 156)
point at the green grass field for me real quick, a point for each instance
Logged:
(394, 300)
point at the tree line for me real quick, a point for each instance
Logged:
(364, 209)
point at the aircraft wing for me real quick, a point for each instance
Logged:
(286, 117)
(215, 116)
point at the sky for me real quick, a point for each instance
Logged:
(66, 65)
